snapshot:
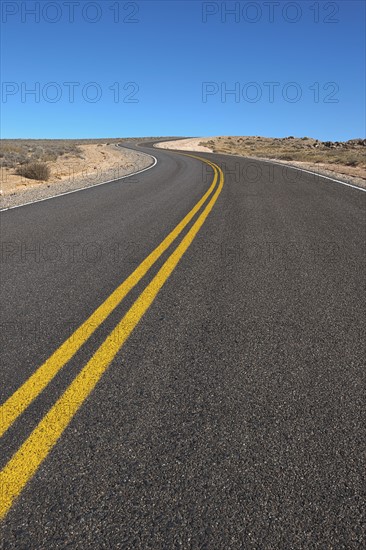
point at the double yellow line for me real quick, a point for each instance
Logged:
(27, 459)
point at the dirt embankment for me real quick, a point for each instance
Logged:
(190, 144)
(343, 160)
(70, 165)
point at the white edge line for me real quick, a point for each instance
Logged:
(280, 164)
(309, 172)
(89, 187)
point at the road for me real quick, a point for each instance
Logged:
(213, 396)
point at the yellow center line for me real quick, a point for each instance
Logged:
(25, 462)
(18, 402)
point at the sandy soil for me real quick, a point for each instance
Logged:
(99, 163)
(96, 159)
(356, 175)
(191, 144)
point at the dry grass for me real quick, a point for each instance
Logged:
(42, 159)
(34, 170)
(15, 152)
(350, 153)
(64, 162)
(18, 152)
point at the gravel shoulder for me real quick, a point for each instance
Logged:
(354, 175)
(98, 164)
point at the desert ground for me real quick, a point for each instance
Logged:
(343, 160)
(61, 166)
(34, 169)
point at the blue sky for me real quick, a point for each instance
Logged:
(162, 68)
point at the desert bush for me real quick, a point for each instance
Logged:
(48, 156)
(9, 160)
(14, 152)
(34, 171)
(352, 162)
(286, 156)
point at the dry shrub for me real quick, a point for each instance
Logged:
(34, 170)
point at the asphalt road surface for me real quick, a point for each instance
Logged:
(183, 362)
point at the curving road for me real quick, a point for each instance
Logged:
(215, 399)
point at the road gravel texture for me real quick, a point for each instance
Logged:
(234, 415)
(131, 161)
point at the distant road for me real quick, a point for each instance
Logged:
(183, 361)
